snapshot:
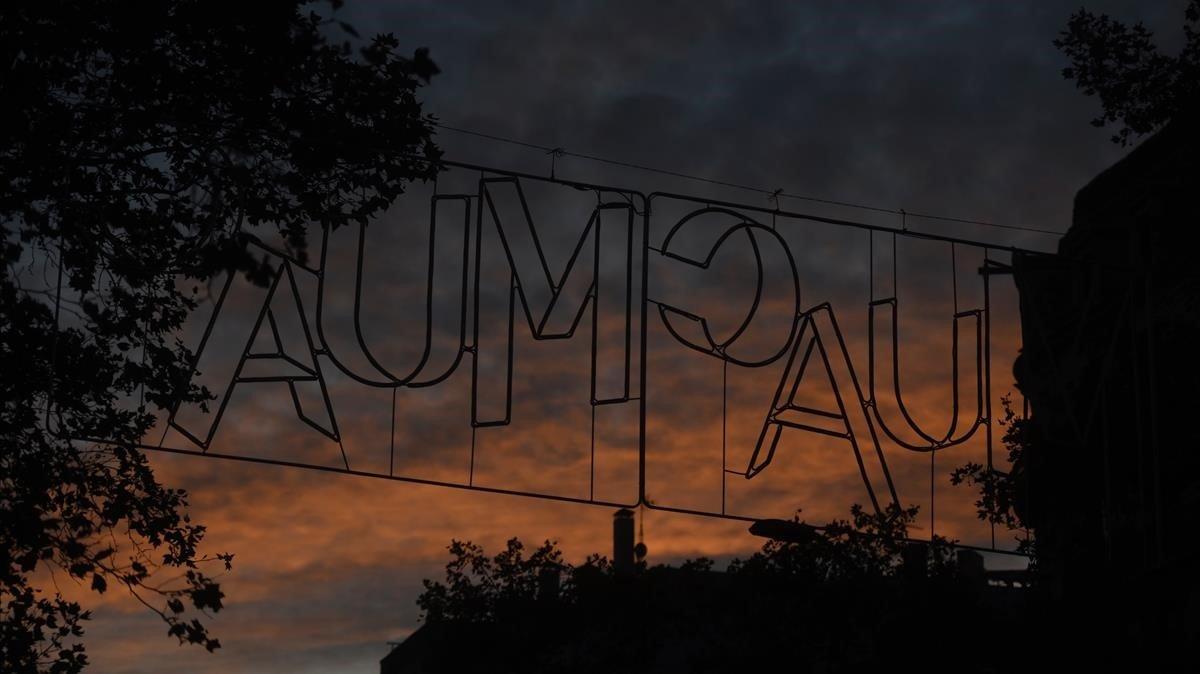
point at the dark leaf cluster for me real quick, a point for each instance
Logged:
(479, 588)
(1139, 88)
(1003, 497)
(839, 599)
(141, 145)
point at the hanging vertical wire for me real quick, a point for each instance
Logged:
(475, 323)
(933, 453)
(896, 297)
(871, 265)
(471, 473)
(392, 438)
(895, 272)
(775, 198)
(954, 277)
(555, 153)
(641, 523)
(932, 494)
(724, 426)
(987, 372)
(594, 297)
(592, 469)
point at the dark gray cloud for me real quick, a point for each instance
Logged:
(937, 107)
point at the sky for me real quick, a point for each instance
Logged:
(949, 108)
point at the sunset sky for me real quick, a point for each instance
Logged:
(949, 108)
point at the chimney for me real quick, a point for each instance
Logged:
(623, 542)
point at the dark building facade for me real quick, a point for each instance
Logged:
(1110, 480)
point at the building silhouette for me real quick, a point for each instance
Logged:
(1110, 481)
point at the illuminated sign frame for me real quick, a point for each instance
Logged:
(815, 343)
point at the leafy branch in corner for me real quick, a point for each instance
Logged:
(1139, 87)
(1002, 496)
(143, 146)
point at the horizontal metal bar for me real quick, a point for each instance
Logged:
(813, 429)
(844, 223)
(383, 476)
(557, 181)
(500, 491)
(809, 410)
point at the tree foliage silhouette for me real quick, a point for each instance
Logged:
(478, 588)
(1004, 497)
(140, 142)
(1139, 87)
(841, 598)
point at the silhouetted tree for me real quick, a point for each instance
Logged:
(1138, 87)
(835, 598)
(139, 141)
(479, 588)
(1005, 496)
